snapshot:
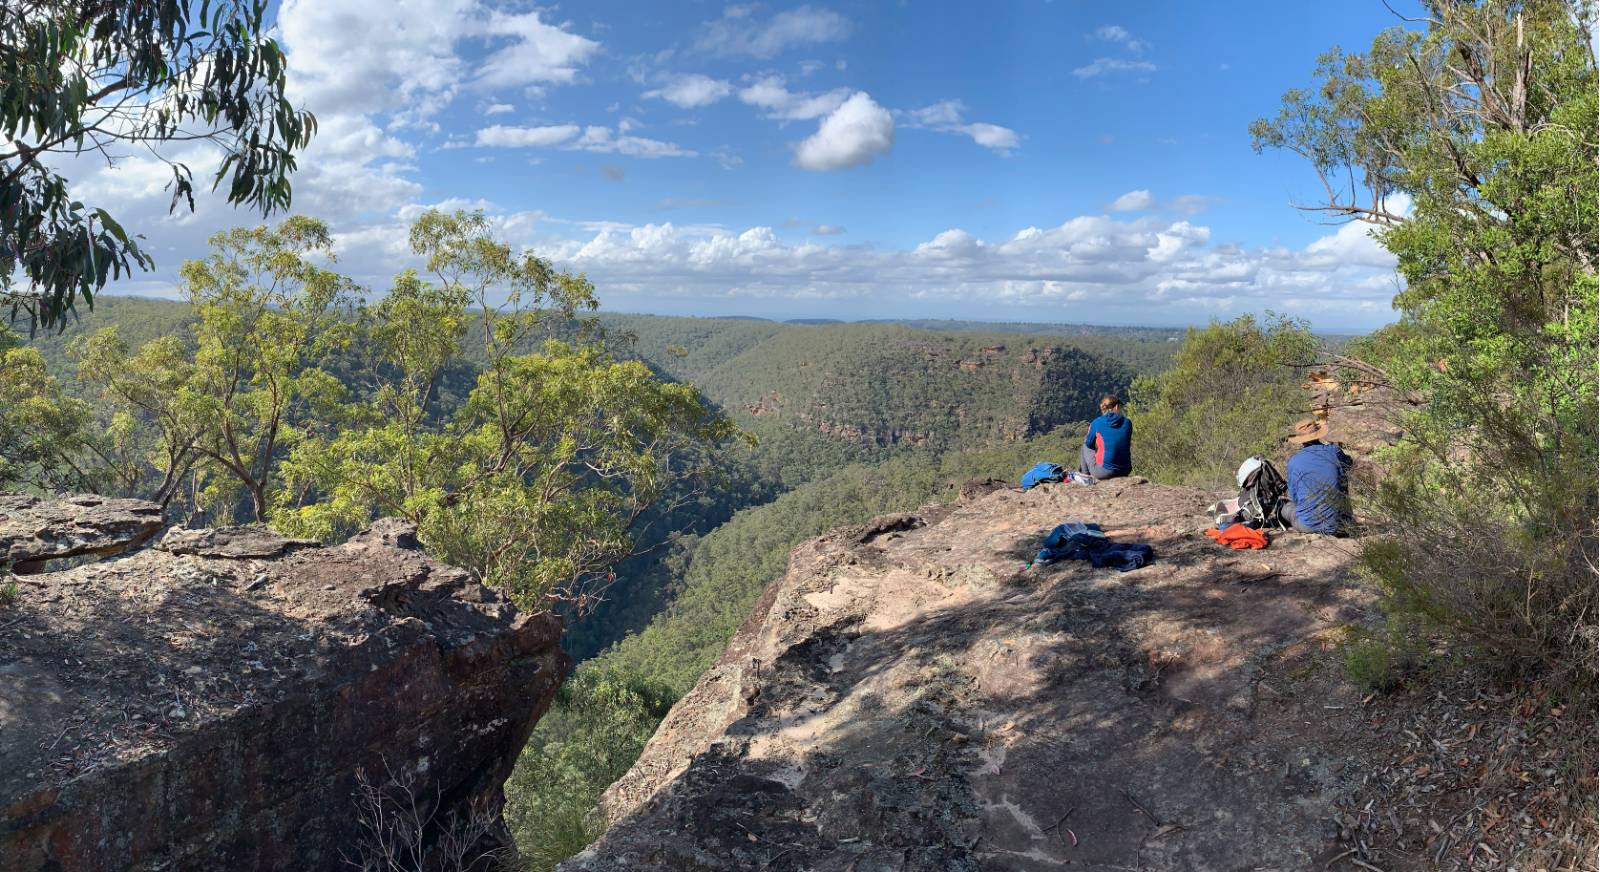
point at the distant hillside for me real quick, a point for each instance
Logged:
(138, 319)
(879, 387)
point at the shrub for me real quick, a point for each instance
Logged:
(1229, 394)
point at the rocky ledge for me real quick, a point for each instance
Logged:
(912, 696)
(229, 699)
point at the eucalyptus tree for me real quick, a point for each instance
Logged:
(1467, 139)
(106, 79)
(539, 480)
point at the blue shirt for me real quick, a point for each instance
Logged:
(1316, 479)
(1110, 436)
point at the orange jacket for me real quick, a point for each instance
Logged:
(1239, 537)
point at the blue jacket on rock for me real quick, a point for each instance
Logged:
(1110, 436)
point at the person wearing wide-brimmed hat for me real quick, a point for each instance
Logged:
(1319, 495)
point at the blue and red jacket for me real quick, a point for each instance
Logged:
(1110, 436)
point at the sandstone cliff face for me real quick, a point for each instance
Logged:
(214, 701)
(910, 697)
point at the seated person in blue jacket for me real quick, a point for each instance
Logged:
(1319, 495)
(1105, 447)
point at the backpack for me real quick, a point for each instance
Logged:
(1263, 496)
(1041, 473)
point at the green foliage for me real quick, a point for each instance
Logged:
(45, 440)
(1484, 123)
(267, 318)
(85, 75)
(537, 480)
(8, 593)
(595, 730)
(1230, 394)
(1382, 659)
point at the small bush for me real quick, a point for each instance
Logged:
(1524, 599)
(8, 593)
(1381, 660)
(1228, 395)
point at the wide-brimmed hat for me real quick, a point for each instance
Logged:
(1312, 430)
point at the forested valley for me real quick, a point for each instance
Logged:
(646, 478)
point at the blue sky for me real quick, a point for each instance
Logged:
(1065, 161)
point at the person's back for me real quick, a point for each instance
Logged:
(1317, 489)
(1107, 447)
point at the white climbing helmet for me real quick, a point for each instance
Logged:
(1249, 466)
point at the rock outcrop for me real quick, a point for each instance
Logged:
(912, 695)
(33, 530)
(230, 699)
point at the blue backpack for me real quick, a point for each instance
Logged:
(1041, 473)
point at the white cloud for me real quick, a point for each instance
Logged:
(601, 139)
(945, 116)
(852, 135)
(595, 138)
(1124, 268)
(499, 109)
(538, 52)
(502, 136)
(1133, 201)
(943, 112)
(1353, 244)
(1120, 35)
(691, 90)
(1105, 66)
(770, 93)
(827, 230)
(407, 59)
(741, 32)
(991, 136)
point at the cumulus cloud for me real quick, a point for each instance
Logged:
(502, 136)
(1352, 243)
(771, 94)
(499, 109)
(601, 139)
(408, 58)
(1123, 267)
(946, 117)
(595, 138)
(853, 134)
(1133, 201)
(740, 31)
(1107, 66)
(691, 90)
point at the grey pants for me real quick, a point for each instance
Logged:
(1291, 519)
(1087, 466)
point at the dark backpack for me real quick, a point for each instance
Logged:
(1263, 497)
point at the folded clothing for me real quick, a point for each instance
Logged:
(1239, 537)
(1079, 541)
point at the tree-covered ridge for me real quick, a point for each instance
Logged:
(887, 384)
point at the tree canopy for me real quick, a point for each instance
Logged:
(1469, 141)
(81, 77)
